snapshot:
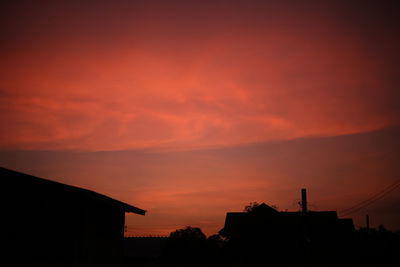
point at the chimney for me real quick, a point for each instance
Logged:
(304, 200)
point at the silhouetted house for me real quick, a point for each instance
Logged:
(52, 224)
(264, 229)
(264, 218)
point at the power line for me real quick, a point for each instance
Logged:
(371, 200)
(374, 196)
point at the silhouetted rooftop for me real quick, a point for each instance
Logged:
(10, 178)
(264, 215)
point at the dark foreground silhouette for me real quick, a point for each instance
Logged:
(45, 223)
(264, 236)
(190, 247)
(35, 211)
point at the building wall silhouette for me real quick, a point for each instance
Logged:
(265, 235)
(52, 224)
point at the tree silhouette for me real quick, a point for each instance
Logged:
(186, 247)
(251, 206)
(188, 234)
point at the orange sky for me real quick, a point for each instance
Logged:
(168, 95)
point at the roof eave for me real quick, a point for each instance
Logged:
(132, 209)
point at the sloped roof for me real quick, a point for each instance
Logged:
(11, 179)
(264, 208)
(236, 220)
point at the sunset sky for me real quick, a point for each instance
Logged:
(191, 109)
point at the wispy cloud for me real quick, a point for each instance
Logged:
(157, 82)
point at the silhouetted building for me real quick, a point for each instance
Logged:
(303, 235)
(263, 216)
(47, 223)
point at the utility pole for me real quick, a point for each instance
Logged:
(303, 200)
